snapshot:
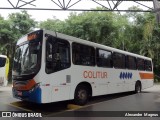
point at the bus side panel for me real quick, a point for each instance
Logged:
(45, 88)
(147, 83)
(54, 86)
(117, 80)
(46, 96)
(2, 76)
(88, 74)
(147, 79)
(103, 80)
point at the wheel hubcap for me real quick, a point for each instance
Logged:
(82, 94)
(138, 89)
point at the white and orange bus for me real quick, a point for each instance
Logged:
(4, 69)
(50, 67)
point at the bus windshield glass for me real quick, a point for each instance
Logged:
(26, 58)
(2, 61)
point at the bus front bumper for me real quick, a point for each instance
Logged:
(33, 95)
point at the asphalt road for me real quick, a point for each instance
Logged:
(102, 107)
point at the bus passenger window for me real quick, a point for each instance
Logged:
(119, 60)
(148, 65)
(83, 54)
(104, 58)
(57, 55)
(2, 62)
(140, 64)
(49, 54)
(131, 63)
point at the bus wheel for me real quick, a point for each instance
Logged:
(138, 87)
(81, 95)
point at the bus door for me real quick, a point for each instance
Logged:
(57, 63)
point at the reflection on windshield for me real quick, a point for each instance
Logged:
(26, 58)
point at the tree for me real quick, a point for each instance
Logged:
(148, 42)
(52, 24)
(21, 23)
(134, 29)
(93, 26)
(5, 36)
(11, 30)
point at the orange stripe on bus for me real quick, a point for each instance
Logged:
(146, 75)
(30, 84)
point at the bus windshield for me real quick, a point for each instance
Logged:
(27, 57)
(2, 61)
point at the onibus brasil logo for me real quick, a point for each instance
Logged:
(20, 114)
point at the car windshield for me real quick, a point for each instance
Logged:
(27, 58)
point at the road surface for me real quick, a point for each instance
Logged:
(97, 108)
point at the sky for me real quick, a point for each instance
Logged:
(62, 15)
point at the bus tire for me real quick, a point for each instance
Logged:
(81, 95)
(138, 87)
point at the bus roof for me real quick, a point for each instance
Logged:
(3, 56)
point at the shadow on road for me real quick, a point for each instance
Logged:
(57, 107)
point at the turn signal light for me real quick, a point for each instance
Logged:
(32, 36)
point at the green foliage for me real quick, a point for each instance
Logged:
(5, 35)
(21, 23)
(52, 24)
(93, 26)
(11, 29)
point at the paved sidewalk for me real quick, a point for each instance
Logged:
(7, 88)
(155, 88)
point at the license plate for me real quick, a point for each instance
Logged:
(19, 93)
